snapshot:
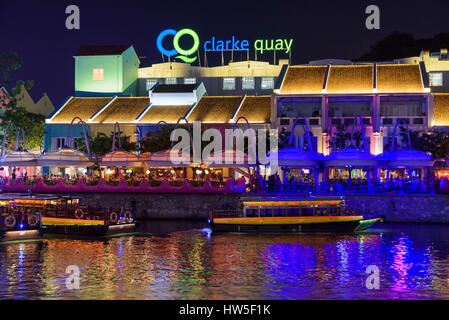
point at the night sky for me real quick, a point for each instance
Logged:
(35, 29)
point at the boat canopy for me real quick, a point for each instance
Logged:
(37, 197)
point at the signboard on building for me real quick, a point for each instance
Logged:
(216, 45)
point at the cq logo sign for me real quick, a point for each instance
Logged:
(183, 54)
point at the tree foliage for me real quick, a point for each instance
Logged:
(400, 45)
(33, 124)
(102, 143)
(433, 142)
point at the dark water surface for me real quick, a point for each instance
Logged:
(184, 260)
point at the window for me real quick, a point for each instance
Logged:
(436, 79)
(267, 83)
(228, 83)
(387, 121)
(336, 122)
(284, 122)
(170, 80)
(189, 80)
(247, 83)
(60, 143)
(97, 74)
(151, 83)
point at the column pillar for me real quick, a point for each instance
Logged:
(325, 144)
(429, 111)
(377, 143)
(324, 113)
(376, 113)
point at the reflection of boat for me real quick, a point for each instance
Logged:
(17, 224)
(64, 215)
(297, 214)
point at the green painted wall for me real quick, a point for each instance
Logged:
(120, 73)
(130, 72)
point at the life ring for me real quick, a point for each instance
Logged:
(33, 220)
(127, 216)
(113, 217)
(79, 213)
(10, 221)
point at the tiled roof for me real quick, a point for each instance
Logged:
(303, 79)
(122, 110)
(441, 109)
(350, 79)
(79, 107)
(255, 109)
(399, 78)
(215, 109)
(394, 78)
(101, 50)
(169, 114)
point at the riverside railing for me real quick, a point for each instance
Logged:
(144, 186)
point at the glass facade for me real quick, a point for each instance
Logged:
(170, 80)
(247, 83)
(150, 83)
(228, 83)
(436, 79)
(189, 80)
(267, 83)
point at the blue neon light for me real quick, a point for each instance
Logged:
(161, 37)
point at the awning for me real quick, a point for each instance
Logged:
(351, 157)
(65, 157)
(230, 159)
(293, 157)
(120, 158)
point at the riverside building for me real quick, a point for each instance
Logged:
(111, 87)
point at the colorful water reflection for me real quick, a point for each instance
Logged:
(194, 264)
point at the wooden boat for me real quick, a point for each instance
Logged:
(16, 224)
(290, 214)
(64, 215)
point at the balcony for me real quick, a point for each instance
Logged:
(348, 121)
(410, 120)
(287, 123)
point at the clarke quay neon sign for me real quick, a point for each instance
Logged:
(260, 45)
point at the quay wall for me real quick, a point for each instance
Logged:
(430, 208)
(396, 208)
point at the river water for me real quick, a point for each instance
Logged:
(184, 260)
